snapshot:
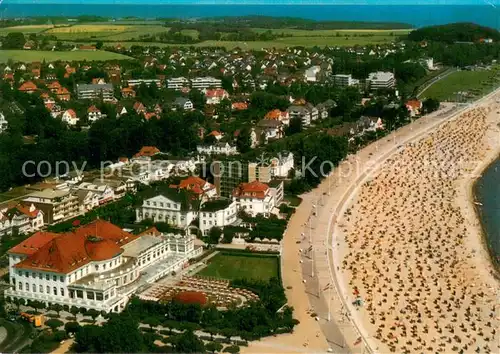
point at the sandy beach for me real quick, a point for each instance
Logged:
(413, 263)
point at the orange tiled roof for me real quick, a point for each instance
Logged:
(28, 86)
(54, 85)
(147, 151)
(93, 109)
(71, 113)
(239, 106)
(415, 104)
(194, 184)
(253, 189)
(63, 253)
(216, 93)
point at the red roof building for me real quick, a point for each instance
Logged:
(28, 87)
(147, 151)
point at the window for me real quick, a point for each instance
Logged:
(90, 295)
(40, 276)
(161, 204)
(79, 294)
(26, 274)
(27, 287)
(61, 278)
(48, 289)
(54, 278)
(98, 296)
(62, 291)
(20, 287)
(97, 267)
(104, 266)
(55, 290)
(40, 288)
(33, 275)
(33, 286)
(47, 277)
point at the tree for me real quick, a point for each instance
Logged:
(57, 308)
(37, 305)
(152, 322)
(244, 141)
(93, 313)
(54, 323)
(14, 40)
(71, 327)
(74, 311)
(214, 235)
(232, 349)
(99, 44)
(295, 126)
(213, 347)
(187, 342)
(430, 105)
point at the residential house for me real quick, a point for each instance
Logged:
(139, 108)
(104, 193)
(28, 87)
(69, 116)
(63, 94)
(198, 187)
(4, 124)
(414, 107)
(268, 129)
(183, 103)
(147, 152)
(239, 106)
(306, 113)
(93, 113)
(54, 86)
(276, 114)
(87, 200)
(20, 218)
(215, 96)
(128, 92)
(324, 108)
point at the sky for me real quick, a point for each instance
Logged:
(290, 2)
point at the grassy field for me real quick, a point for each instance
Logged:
(230, 266)
(116, 32)
(39, 55)
(475, 83)
(108, 32)
(14, 193)
(25, 29)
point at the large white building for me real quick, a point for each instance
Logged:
(97, 266)
(169, 205)
(138, 82)
(177, 83)
(254, 198)
(95, 91)
(381, 80)
(344, 80)
(217, 213)
(202, 83)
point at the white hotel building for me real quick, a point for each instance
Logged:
(217, 213)
(97, 266)
(177, 83)
(381, 80)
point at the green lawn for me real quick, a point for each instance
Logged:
(475, 83)
(39, 55)
(226, 265)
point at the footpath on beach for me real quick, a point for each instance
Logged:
(340, 309)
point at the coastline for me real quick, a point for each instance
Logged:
(338, 302)
(470, 185)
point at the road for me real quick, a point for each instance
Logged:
(436, 79)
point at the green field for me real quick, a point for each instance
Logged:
(113, 33)
(226, 265)
(108, 32)
(39, 55)
(475, 83)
